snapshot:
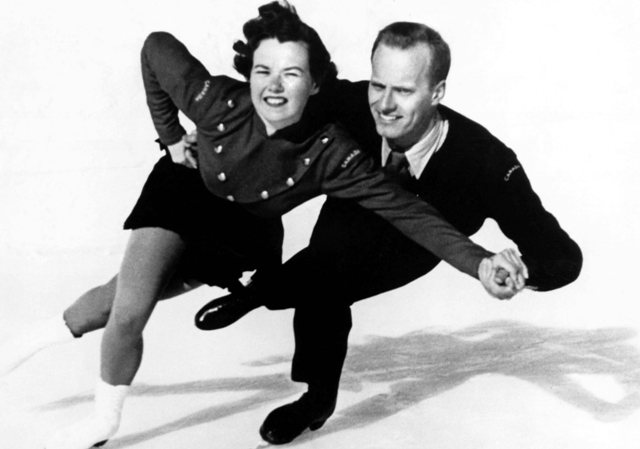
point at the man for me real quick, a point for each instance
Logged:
(453, 163)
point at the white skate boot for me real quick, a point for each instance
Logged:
(102, 424)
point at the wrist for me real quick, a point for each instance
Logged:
(484, 262)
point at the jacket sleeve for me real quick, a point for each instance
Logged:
(352, 175)
(553, 258)
(173, 80)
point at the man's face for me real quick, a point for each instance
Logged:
(401, 97)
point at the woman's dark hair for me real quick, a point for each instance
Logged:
(276, 21)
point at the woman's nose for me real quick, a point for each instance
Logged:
(275, 84)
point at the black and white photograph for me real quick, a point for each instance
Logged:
(389, 224)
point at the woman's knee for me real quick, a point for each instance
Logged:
(127, 322)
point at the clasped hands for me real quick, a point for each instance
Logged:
(504, 274)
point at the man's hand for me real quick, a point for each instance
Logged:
(185, 151)
(504, 274)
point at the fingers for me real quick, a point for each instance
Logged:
(190, 159)
(191, 149)
(185, 151)
(512, 256)
(176, 151)
(510, 261)
(496, 286)
(501, 261)
(503, 275)
(191, 138)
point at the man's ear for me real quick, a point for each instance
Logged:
(438, 92)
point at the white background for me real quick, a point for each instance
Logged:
(557, 81)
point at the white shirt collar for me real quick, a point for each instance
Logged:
(420, 153)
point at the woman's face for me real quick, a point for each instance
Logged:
(280, 82)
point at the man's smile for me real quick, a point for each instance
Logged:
(388, 117)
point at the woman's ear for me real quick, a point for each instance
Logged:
(314, 89)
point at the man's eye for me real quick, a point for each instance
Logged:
(377, 87)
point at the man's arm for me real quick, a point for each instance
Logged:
(348, 173)
(553, 258)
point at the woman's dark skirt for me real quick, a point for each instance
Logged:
(222, 238)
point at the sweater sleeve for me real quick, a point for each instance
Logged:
(354, 177)
(173, 80)
(553, 258)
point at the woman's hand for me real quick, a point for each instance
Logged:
(504, 274)
(185, 152)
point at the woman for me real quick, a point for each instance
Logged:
(261, 153)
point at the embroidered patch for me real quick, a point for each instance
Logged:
(204, 90)
(510, 172)
(349, 158)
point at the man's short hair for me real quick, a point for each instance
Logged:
(408, 34)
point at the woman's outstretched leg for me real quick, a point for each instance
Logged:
(150, 261)
(91, 311)
(88, 313)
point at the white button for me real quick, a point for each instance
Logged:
(290, 182)
(231, 103)
(324, 140)
(222, 177)
(218, 149)
(264, 194)
(231, 198)
(220, 127)
(307, 161)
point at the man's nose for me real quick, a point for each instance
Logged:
(387, 102)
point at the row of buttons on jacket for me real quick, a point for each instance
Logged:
(222, 177)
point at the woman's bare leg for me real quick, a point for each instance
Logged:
(150, 260)
(91, 311)
(88, 313)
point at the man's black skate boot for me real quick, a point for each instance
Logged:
(311, 411)
(226, 310)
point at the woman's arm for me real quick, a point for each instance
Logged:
(173, 80)
(352, 175)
